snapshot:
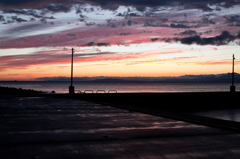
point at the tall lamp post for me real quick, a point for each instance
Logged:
(71, 88)
(232, 87)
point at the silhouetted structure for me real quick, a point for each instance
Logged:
(232, 87)
(71, 88)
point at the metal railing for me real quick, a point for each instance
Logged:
(91, 91)
(112, 91)
(103, 91)
(88, 91)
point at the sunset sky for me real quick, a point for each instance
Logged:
(120, 38)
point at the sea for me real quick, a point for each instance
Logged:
(133, 87)
(120, 87)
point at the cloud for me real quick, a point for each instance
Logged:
(114, 4)
(49, 58)
(154, 39)
(188, 33)
(69, 34)
(172, 25)
(15, 18)
(90, 23)
(222, 39)
(15, 2)
(186, 4)
(60, 56)
(125, 34)
(146, 24)
(178, 25)
(233, 20)
(57, 8)
(97, 44)
(23, 12)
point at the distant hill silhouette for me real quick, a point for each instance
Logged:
(109, 80)
(212, 78)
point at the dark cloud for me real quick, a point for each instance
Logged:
(50, 5)
(133, 14)
(207, 21)
(208, 32)
(97, 44)
(122, 43)
(42, 20)
(18, 19)
(112, 25)
(2, 18)
(15, 2)
(200, 5)
(90, 44)
(222, 39)
(103, 44)
(129, 22)
(169, 2)
(14, 19)
(172, 25)
(233, 20)
(90, 23)
(188, 33)
(108, 5)
(154, 39)
(141, 4)
(147, 24)
(164, 20)
(69, 34)
(57, 8)
(114, 4)
(120, 14)
(125, 34)
(141, 8)
(19, 11)
(29, 12)
(235, 25)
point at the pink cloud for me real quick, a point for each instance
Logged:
(84, 35)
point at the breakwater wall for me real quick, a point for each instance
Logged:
(168, 101)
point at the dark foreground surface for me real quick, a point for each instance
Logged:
(53, 128)
(193, 101)
(169, 101)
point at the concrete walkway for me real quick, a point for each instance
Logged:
(48, 128)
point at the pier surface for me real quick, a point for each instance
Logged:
(53, 128)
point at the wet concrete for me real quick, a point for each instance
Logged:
(49, 128)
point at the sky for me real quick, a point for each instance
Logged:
(118, 38)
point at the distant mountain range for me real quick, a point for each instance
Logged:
(214, 78)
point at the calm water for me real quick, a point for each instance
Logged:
(62, 87)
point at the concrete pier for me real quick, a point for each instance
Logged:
(53, 128)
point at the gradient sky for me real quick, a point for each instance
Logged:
(118, 38)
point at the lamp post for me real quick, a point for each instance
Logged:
(71, 88)
(232, 87)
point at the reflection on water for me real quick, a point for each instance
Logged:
(227, 114)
